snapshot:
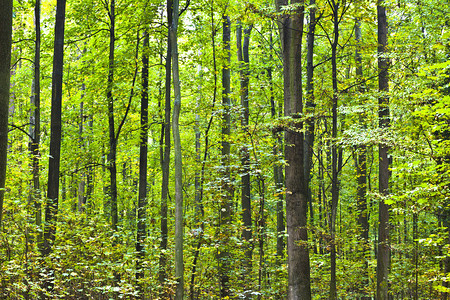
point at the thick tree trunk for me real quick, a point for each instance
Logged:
(142, 197)
(165, 159)
(224, 255)
(383, 258)
(291, 29)
(5, 64)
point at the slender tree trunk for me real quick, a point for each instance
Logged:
(55, 137)
(82, 182)
(310, 121)
(243, 58)
(179, 266)
(165, 159)
(142, 197)
(277, 168)
(51, 208)
(334, 152)
(112, 155)
(5, 73)
(361, 174)
(224, 255)
(35, 120)
(383, 258)
(291, 29)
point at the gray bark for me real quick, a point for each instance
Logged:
(291, 29)
(383, 258)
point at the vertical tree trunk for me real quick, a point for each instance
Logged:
(55, 137)
(142, 197)
(5, 64)
(35, 127)
(112, 155)
(165, 157)
(82, 182)
(334, 152)
(277, 168)
(310, 121)
(243, 58)
(225, 204)
(51, 208)
(383, 258)
(179, 266)
(291, 29)
(361, 173)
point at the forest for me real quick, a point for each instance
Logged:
(211, 149)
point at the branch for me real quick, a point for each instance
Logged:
(20, 128)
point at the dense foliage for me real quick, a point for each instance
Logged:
(91, 259)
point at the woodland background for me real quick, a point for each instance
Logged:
(191, 192)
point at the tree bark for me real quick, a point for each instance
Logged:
(112, 155)
(35, 120)
(310, 105)
(51, 208)
(334, 153)
(224, 255)
(291, 29)
(361, 172)
(383, 258)
(55, 137)
(165, 157)
(179, 266)
(243, 58)
(142, 197)
(5, 64)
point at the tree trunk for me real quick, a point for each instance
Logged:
(310, 105)
(5, 64)
(55, 137)
(243, 58)
(142, 197)
(226, 189)
(334, 152)
(112, 155)
(383, 258)
(291, 29)
(35, 127)
(361, 173)
(165, 159)
(277, 168)
(179, 267)
(51, 208)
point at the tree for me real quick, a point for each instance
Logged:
(291, 29)
(243, 58)
(5, 63)
(179, 263)
(224, 255)
(35, 120)
(143, 151)
(383, 258)
(361, 165)
(112, 154)
(164, 145)
(51, 208)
